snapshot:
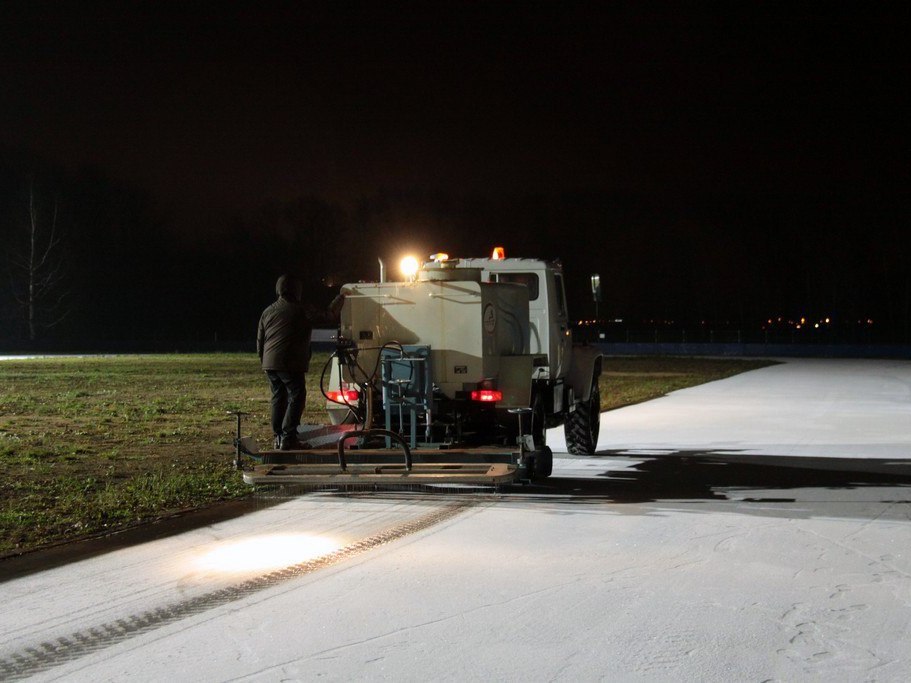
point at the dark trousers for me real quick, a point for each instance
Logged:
(289, 396)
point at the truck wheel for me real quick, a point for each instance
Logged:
(583, 425)
(544, 464)
(538, 425)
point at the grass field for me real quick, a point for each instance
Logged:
(88, 445)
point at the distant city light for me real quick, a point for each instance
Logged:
(769, 324)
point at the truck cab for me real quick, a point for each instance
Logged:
(549, 332)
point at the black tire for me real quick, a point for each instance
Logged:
(543, 464)
(583, 425)
(538, 422)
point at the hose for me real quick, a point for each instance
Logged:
(351, 367)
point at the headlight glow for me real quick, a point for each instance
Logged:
(265, 553)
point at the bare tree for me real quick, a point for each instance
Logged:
(37, 272)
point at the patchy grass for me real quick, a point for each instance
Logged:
(91, 444)
(88, 445)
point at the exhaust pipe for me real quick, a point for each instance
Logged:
(382, 270)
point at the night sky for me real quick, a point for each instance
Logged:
(764, 117)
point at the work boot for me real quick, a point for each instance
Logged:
(289, 443)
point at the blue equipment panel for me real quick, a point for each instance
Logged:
(407, 389)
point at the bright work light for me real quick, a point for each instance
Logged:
(409, 267)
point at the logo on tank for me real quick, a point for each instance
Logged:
(490, 318)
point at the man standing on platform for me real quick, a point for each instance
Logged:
(283, 345)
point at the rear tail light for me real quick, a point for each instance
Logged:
(487, 395)
(343, 396)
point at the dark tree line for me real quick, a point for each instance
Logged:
(128, 275)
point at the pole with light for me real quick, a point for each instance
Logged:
(596, 293)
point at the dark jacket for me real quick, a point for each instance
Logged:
(283, 338)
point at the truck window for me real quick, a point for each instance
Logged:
(530, 280)
(561, 295)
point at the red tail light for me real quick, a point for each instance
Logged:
(487, 395)
(344, 396)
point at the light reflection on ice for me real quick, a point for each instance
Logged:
(263, 553)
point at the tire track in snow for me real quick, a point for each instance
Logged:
(43, 656)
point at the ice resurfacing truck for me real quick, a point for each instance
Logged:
(450, 375)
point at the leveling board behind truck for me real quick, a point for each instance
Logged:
(325, 468)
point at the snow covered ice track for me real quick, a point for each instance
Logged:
(755, 528)
(46, 655)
